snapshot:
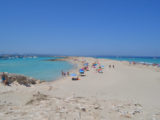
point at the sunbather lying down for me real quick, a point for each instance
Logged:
(82, 74)
(75, 78)
(99, 71)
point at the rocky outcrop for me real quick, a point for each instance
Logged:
(21, 79)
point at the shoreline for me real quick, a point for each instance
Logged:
(77, 66)
(74, 69)
(125, 92)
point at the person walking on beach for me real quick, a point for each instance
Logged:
(113, 66)
(68, 73)
(62, 73)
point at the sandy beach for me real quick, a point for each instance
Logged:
(126, 92)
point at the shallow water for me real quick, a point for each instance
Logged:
(37, 68)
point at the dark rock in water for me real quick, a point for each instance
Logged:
(56, 60)
(21, 79)
(60, 59)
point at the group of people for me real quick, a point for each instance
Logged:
(64, 74)
(111, 66)
(98, 66)
(82, 71)
(4, 79)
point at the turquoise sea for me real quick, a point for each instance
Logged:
(147, 60)
(37, 68)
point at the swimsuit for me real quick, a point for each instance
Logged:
(3, 78)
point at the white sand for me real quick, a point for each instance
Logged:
(128, 92)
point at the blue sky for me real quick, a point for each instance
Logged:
(80, 27)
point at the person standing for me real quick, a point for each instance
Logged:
(5, 79)
(113, 66)
(0, 79)
(62, 73)
(68, 73)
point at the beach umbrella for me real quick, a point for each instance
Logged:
(81, 70)
(95, 64)
(73, 75)
(86, 64)
(102, 66)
